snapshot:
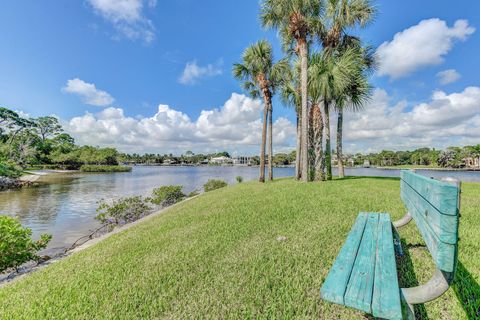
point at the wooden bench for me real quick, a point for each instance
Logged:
(364, 274)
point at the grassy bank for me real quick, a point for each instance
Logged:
(218, 256)
(94, 168)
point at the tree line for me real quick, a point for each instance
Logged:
(27, 142)
(451, 157)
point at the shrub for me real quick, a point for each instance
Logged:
(194, 193)
(121, 211)
(214, 184)
(167, 195)
(16, 245)
(9, 169)
(94, 168)
(239, 179)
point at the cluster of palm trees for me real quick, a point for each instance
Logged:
(325, 69)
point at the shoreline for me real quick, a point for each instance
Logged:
(31, 266)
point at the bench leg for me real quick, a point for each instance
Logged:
(397, 243)
(410, 312)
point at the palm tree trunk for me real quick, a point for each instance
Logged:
(303, 85)
(328, 148)
(264, 141)
(317, 128)
(270, 142)
(298, 156)
(311, 146)
(341, 169)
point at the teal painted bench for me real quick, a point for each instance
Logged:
(364, 274)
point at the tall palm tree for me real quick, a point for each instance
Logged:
(261, 76)
(340, 15)
(297, 21)
(357, 94)
(330, 78)
(316, 118)
(291, 96)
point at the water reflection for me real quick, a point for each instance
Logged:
(64, 204)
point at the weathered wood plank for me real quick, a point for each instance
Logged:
(444, 226)
(442, 195)
(443, 254)
(333, 289)
(360, 286)
(386, 293)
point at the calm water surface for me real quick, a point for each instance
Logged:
(64, 204)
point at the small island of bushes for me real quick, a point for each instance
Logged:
(105, 168)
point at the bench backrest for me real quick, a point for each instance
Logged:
(435, 207)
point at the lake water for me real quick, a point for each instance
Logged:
(64, 204)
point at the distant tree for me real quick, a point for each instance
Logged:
(281, 159)
(12, 123)
(47, 127)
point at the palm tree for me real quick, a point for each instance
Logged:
(260, 77)
(330, 78)
(316, 118)
(356, 95)
(341, 15)
(291, 96)
(297, 21)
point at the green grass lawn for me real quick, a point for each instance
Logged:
(217, 256)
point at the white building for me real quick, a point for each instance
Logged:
(221, 160)
(242, 161)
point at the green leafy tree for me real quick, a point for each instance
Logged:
(298, 21)
(11, 122)
(16, 245)
(47, 127)
(260, 76)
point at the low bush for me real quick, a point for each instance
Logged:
(121, 211)
(167, 195)
(100, 168)
(239, 179)
(214, 184)
(9, 169)
(16, 245)
(194, 193)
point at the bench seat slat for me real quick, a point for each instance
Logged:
(334, 287)
(386, 295)
(360, 286)
(444, 226)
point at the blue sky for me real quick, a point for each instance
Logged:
(104, 68)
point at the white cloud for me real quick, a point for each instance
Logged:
(88, 93)
(235, 127)
(445, 120)
(448, 76)
(127, 17)
(419, 46)
(193, 72)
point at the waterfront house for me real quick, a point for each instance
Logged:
(221, 160)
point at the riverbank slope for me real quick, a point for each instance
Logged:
(245, 251)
